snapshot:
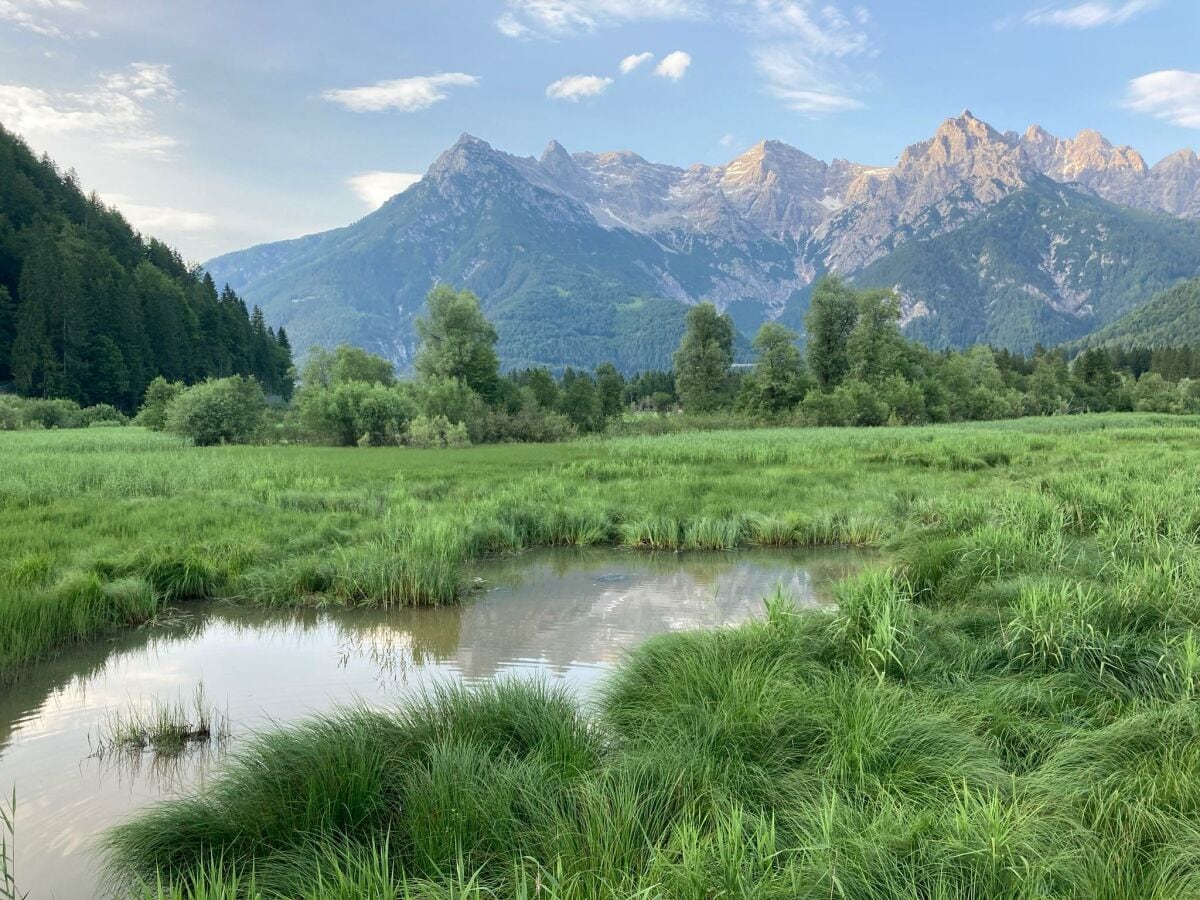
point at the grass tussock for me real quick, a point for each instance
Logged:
(165, 729)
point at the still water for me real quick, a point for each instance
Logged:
(560, 615)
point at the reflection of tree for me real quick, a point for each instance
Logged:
(75, 666)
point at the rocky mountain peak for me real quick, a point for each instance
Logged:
(1036, 134)
(956, 138)
(774, 158)
(465, 154)
(555, 153)
(557, 169)
(1090, 159)
(1185, 158)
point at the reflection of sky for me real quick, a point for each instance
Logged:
(562, 615)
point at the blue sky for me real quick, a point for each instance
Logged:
(217, 124)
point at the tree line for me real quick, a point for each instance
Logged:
(855, 369)
(91, 311)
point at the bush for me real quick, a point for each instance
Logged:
(103, 414)
(1153, 393)
(536, 425)
(822, 408)
(851, 403)
(436, 432)
(54, 414)
(25, 413)
(159, 395)
(217, 411)
(455, 401)
(355, 412)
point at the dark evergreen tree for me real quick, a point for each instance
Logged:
(8, 331)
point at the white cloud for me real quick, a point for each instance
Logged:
(576, 87)
(146, 81)
(404, 94)
(376, 188)
(800, 81)
(117, 110)
(673, 65)
(812, 59)
(727, 140)
(38, 16)
(554, 18)
(1171, 94)
(823, 28)
(631, 62)
(511, 26)
(152, 219)
(1089, 15)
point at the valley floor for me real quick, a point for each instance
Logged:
(1007, 708)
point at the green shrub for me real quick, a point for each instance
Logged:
(436, 432)
(159, 395)
(355, 412)
(217, 411)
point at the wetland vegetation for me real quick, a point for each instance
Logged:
(1006, 707)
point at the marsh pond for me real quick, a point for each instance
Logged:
(562, 615)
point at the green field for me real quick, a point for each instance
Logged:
(1004, 707)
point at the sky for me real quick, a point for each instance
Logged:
(219, 124)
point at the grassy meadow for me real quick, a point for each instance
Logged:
(1005, 708)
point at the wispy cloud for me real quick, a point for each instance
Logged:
(1171, 94)
(118, 110)
(403, 94)
(631, 62)
(1089, 15)
(727, 140)
(576, 87)
(555, 18)
(160, 218)
(797, 78)
(812, 53)
(376, 188)
(674, 65)
(145, 81)
(39, 16)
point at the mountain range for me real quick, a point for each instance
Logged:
(1007, 238)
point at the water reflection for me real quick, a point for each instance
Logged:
(566, 615)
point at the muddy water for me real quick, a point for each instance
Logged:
(562, 615)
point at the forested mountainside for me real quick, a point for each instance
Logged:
(91, 310)
(586, 257)
(1045, 265)
(1169, 319)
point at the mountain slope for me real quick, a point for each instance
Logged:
(1169, 319)
(1045, 265)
